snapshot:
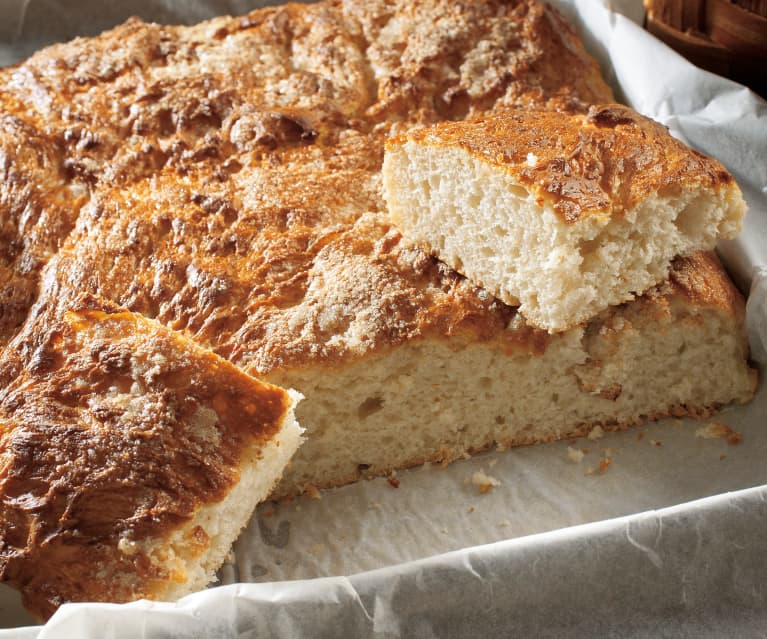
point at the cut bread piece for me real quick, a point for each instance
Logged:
(678, 350)
(561, 214)
(129, 453)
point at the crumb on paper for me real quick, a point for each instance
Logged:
(716, 430)
(376, 505)
(393, 481)
(313, 492)
(471, 509)
(505, 523)
(574, 455)
(655, 442)
(722, 457)
(484, 481)
(596, 433)
(492, 462)
(640, 435)
(604, 463)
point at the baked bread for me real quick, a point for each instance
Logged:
(560, 214)
(226, 183)
(131, 458)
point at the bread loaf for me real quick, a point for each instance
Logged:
(221, 186)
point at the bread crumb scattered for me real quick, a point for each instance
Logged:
(471, 510)
(596, 433)
(655, 442)
(604, 464)
(715, 430)
(504, 523)
(575, 455)
(484, 481)
(393, 481)
(590, 470)
(375, 505)
(312, 492)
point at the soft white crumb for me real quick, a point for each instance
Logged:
(480, 478)
(575, 455)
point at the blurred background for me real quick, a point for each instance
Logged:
(728, 37)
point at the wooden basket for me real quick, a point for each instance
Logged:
(728, 37)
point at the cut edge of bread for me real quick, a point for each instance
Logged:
(219, 524)
(485, 224)
(436, 400)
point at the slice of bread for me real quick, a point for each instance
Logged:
(561, 214)
(131, 458)
(678, 350)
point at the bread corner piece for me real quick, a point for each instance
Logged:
(561, 214)
(130, 459)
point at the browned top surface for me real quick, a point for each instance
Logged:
(600, 163)
(231, 169)
(113, 427)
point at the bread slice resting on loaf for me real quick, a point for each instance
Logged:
(221, 185)
(561, 214)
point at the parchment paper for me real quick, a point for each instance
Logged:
(694, 568)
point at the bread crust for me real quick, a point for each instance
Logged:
(601, 163)
(237, 197)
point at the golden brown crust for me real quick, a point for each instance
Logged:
(696, 282)
(114, 430)
(601, 163)
(234, 167)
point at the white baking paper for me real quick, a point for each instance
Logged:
(669, 541)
